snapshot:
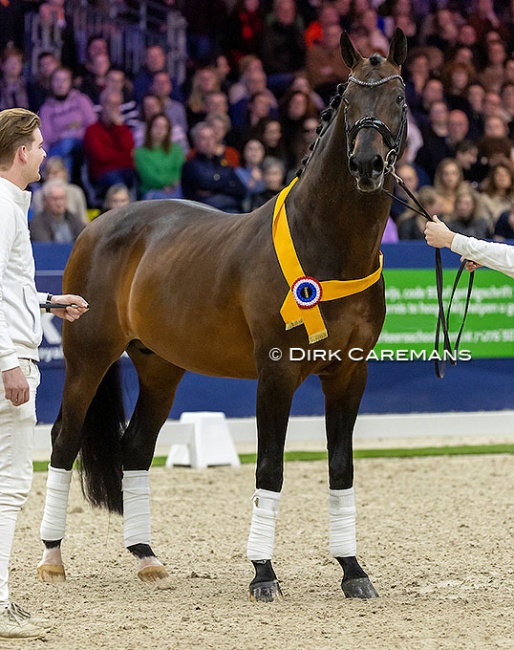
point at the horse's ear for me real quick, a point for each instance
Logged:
(350, 55)
(398, 48)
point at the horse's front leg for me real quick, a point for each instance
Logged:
(275, 391)
(343, 392)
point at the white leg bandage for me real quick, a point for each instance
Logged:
(136, 507)
(261, 541)
(341, 504)
(53, 525)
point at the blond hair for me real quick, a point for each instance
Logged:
(17, 126)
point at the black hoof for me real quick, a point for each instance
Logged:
(266, 592)
(359, 588)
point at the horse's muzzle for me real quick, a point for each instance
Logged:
(368, 172)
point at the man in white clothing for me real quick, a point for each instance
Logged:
(499, 257)
(21, 154)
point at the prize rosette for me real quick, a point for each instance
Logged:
(307, 292)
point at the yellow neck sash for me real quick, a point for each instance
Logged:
(301, 302)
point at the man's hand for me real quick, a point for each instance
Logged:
(438, 234)
(16, 386)
(78, 306)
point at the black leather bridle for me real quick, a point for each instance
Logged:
(393, 142)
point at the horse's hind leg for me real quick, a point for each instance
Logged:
(158, 381)
(343, 391)
(82, 381)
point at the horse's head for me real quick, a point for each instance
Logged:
(375, 111)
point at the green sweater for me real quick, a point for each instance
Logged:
(158, 169)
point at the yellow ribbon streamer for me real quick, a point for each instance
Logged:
(291, 313)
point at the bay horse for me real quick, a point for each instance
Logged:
(180, 286)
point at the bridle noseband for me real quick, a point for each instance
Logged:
(369, 122)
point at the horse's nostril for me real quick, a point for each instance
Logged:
(378, 164)
(354, 167)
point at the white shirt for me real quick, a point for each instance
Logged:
(494, 255)
(20, 317)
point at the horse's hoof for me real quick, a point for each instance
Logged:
(359, 588)
(266, 592)
(152, 573)
(51, 573)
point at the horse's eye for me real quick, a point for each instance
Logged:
(400, 99)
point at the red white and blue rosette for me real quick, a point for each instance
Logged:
(307, 292)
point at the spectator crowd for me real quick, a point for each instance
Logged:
(259, 73)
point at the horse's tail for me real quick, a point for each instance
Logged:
(100, 455)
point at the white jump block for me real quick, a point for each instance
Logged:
(205, 440)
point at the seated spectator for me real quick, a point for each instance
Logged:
(221, 126)
(39, 87)
(273, 174)
(52, 14)
(324, 64)
(95, 80)
(250, 171)
(206, 179)
(75, 197)
(295, 107)
(448, 180)
(456, 77)
(269, 132)
(205, 81)
(475, 94)
(497, 191)
(162, 88)
(116, 80)
(109, 145)
(258, 108)
(159, 161)
(465, 218)
(244, 28)
(247, 65)
(411, 225)
(369, 23)
(417, 73)
(432, 92)
(302, 83)
(495, 145)
(223, 72)
(117, 196)
(216, 102)
(282, 47)
(493, 75)
(466, 154)
(327, 15)
(155, 61)
(13, 88)
(65, 116)
(150, 106)
(55, 223)
(300, 147)
(504, 228)
(435, 135)
(410, 177)
(458, 129)
(255, 84)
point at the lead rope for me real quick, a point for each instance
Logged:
(443, 320)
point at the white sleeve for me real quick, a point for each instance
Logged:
(494, 255)
(8, 356)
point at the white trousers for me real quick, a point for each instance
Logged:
(16, 448)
